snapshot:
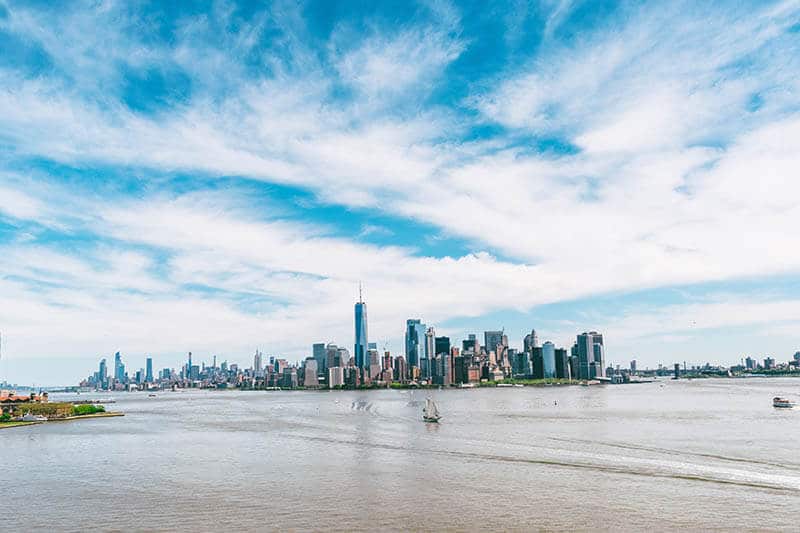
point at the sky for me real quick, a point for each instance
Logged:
(218, 177)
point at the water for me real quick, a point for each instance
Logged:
(705, 454)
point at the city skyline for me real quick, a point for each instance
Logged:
(221, 178)
(426, 334)
(584, 360)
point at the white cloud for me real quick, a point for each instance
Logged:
(676, 181)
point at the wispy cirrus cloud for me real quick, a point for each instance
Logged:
(646, 148)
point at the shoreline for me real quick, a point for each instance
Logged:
(15, 424)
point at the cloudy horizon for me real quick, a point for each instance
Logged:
(219, 177)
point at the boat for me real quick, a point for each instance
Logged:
(430, 413)
(782, 403)
(151, 395)
(28, 417)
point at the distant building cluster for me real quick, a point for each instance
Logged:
(428, 360)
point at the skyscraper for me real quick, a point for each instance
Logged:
(537, 362)
(531, 340)
(590, 355)
(310, 378)
(469, 345)
(562, 364)
(415, 341)
(442, 345)
(585, 355)
(493, 339)
(119, 368)
(362, 360)
(549, 360)
(102, 372)
(148, 376)
(319, 354)
(258, 365)
(429, 353)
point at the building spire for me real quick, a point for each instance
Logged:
(360, 299)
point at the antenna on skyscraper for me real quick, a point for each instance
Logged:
(360, 299)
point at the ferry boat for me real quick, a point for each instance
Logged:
(782, 403)
(430, 413)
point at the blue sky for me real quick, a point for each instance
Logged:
(218, 177)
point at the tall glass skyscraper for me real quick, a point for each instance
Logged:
(591, 359)
(415, 342)
(362, 360)
(119, 368)
(549, 359)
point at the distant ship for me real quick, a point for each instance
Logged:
(782, 403)
(430, 413)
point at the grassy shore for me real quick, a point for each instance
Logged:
(4, 425)
(94, 415)
(55, 412)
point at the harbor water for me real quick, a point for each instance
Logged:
(691, 455)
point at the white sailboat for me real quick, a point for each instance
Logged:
(430, 413)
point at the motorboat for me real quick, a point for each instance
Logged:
(782, 403)
(28, 417)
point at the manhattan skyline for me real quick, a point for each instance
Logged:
(221, 178)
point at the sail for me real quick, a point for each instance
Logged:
(430, 410)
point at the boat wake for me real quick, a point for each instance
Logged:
(679, 471)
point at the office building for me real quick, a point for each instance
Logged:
(530, 341)
(374, 366)
(148, 376)
(537, 362)
(430, 353)
(470, 345)
(361, 344)
(400, 369)
(415, 342)
(119, 368)
(258, 366)
(493, 339)
(590, 355)
(320, 355)
(549, 360)
(562, 364)
(521, 364)
(336, 356)
(102, 372)
(442, 345)
(335, 376)
(310, 374)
